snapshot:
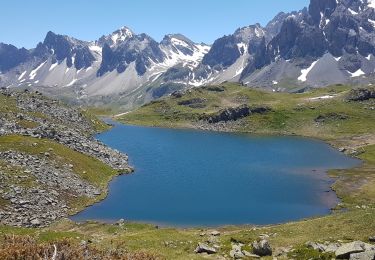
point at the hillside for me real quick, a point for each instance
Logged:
(50, 164)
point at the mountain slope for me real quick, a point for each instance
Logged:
(329, 42)
(51, 166)
(333, 42)
(117, 65)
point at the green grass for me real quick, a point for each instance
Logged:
(97, 124)
(291, 113)
(172, 243)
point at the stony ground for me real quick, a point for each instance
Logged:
(37, 189)
(53, 120)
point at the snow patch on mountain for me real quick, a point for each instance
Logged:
(305, 72)
(371, 3)
(22, 75)
(357, 73)
(34, 72)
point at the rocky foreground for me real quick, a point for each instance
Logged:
(43, 187)
(356, 250)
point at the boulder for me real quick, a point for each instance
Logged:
(367, 255)
(344, 251)
(215, 233)
(250, 255)
(282, 251)
(316, 246)
(204, 248)
(262, 248)
(120, 222)
(35, 222)
(332, 247)
(361, 94)
(236, 252)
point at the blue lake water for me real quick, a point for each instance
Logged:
(197, 178)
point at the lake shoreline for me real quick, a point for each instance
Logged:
(325, 175)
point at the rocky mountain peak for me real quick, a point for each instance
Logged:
(63, 47)
(176, 39)
(11, 56)
(320, 8)
(116, 38)
(179, 43)
(246, 33)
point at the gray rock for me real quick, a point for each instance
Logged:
(204, 248)
(250, 255)
(35, 222)
(332, 247)
(236, 254)
(215, 233)
(282, 251)
(367, 255)
(316, 246)
(120, 222)
(262, 248)
(236, 251)
(344, 251)
(235, 113)
(371, 239)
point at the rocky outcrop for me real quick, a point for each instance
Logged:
(347, 250)
(356, 250)
(326, 248)
(204, 248)
(233, 114)
(367, 255)
(262, 248)
(361, 94)
(330, 116)
(194, 102)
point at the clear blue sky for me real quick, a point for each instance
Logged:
(25, 22)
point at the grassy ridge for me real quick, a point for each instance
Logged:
(291, 113)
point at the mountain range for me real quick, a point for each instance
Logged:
(330, 42)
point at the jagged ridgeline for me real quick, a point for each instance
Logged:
(50, 164)
(326, 43)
